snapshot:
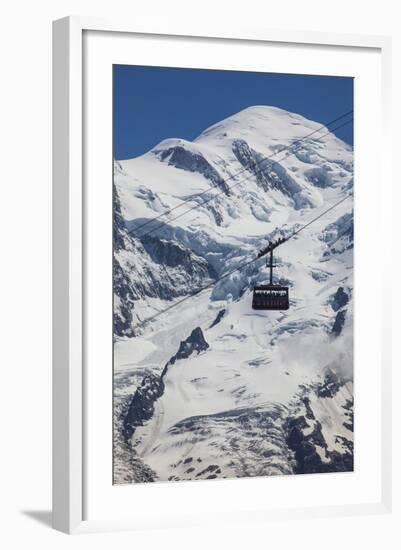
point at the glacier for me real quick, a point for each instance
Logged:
(204, 386)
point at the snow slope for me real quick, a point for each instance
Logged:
(211, 388)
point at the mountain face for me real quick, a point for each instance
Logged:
(210, 388)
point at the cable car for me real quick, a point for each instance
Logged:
(270, 297)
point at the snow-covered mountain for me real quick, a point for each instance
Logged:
(211, 388)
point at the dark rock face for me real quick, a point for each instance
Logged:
(123, 290)
(141, 407)
(219, 317)
(340, 299)
(122, 315)
(338, 302)
(165, 269)
(172, 254)
(118, 222)
(349, 408)
(339, 322)
(330, 386)
(170, 270)
(127, 465)
(183, 159)
(307, 459)
(269, 174)
(194, 343)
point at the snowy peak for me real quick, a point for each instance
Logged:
(287, 156)
(263, 120)
(267, 126)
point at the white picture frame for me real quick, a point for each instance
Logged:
(70, 426)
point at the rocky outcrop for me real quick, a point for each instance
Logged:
(141, 407)
(124, 300)
(174, 255)
(182, 158)
(314, 451)
(142, 404)
(308, 459)
(339, 302)
(339, 322)
(269, 174)
(124, 294)
(219, 317)
(127, 465)
(340, 299)
(194, 343)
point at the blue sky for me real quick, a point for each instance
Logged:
(154, 103)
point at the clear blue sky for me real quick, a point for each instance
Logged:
(154, 103)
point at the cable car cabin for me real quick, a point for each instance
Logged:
(270, 297)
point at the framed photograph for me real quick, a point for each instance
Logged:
(221, 343)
